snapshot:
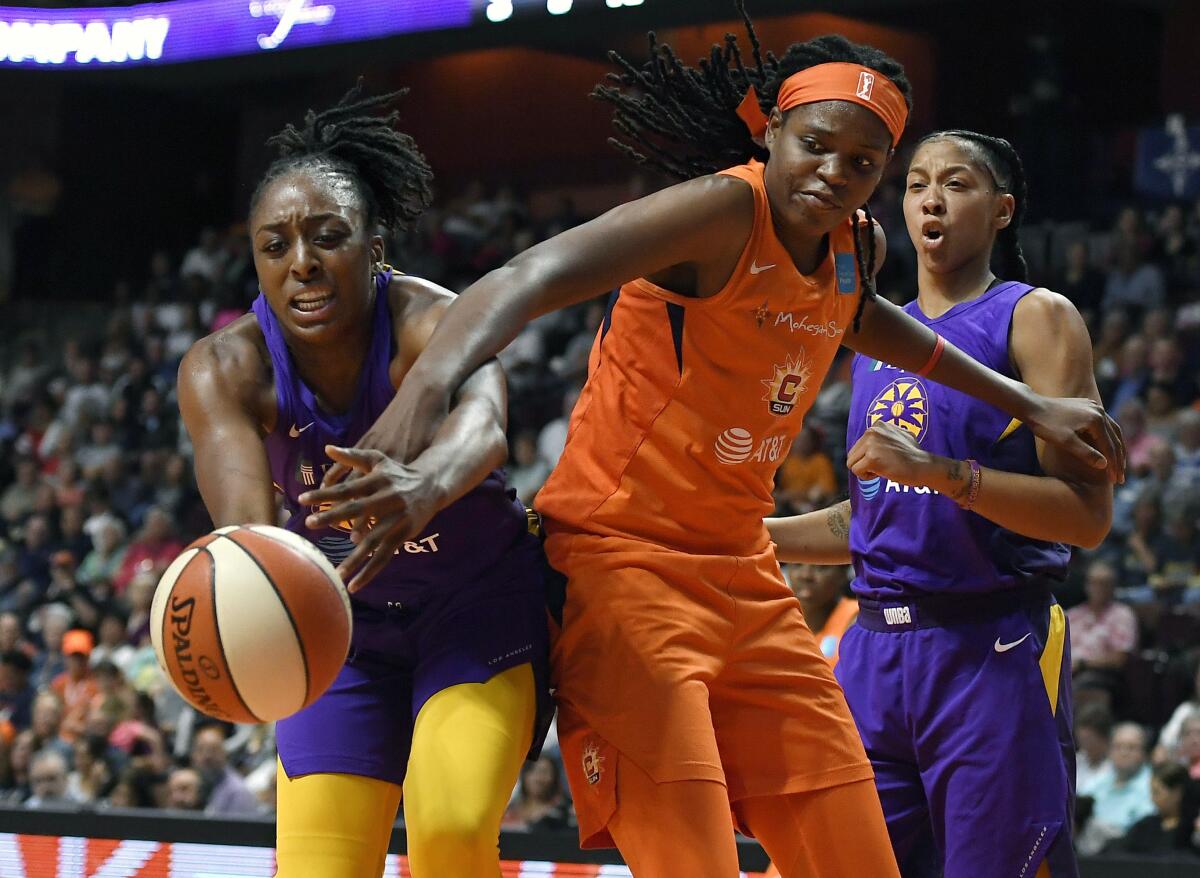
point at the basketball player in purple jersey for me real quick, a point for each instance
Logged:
(438, 698)
(958, 670)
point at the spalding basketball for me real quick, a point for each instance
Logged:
(251, 623)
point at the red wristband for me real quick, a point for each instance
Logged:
(934, 357)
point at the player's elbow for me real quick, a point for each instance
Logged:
(1095, 523)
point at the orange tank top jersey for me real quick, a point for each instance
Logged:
(692, 404)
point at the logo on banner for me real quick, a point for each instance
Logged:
(1168, 164)
(290, 13)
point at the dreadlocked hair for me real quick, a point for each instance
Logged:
(1003, 164)
(683, 120)
(348, 139)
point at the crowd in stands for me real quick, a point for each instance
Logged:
(97, 497)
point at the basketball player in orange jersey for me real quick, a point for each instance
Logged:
(438, 697)
(687, 680)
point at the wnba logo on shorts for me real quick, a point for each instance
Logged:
(866, 85)
(592, 763)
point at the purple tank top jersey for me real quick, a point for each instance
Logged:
(461, 544)
(912, 541)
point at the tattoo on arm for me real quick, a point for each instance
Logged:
(835, 518)
(954, 472)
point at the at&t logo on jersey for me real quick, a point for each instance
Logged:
(869, 488)
(736, 445)
(789, 381)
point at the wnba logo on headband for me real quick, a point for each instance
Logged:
(866, 85)
(835, 81)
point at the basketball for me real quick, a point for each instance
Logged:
(251, 623)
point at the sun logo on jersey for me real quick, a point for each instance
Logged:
(789, 382)
(904, 403)
(346, 526)
(593, 763)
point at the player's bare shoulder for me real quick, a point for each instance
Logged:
(416, 306)
(232, 365)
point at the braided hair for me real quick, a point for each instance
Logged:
(349, 140)
(683, 120)
(1000, 159)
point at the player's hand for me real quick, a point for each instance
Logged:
(1083, 429)
(389, 503)
(402, 431)
(891, 452)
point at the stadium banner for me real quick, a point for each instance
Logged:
(45, 856)
(1168, 160)
(196, 30)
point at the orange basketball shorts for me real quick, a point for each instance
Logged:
(695, 667)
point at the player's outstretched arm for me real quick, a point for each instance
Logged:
(1072, 502)
(220, 379)
(690, 223)
(399, 499)
(1079, 426)
(819, 537)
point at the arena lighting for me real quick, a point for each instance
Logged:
(194, 30)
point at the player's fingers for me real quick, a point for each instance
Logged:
(1076, 446)
(375, 505)
(382, 555)
(1123, 451)
(361, 486)
(360, 556)
(335, 474)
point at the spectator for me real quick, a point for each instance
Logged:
(184, 790)
(48, 781)
(1168, 739)
(1093, 734)
(154, 548)
(17, 500)
(541, 801)
(101, 448)
(1187, 449)
(806, 480)
(20, 757)
(114, 647)
(1157, 833)
(227, 791)
(104, 561)
(92, 776)
(527, 472)
(553, 437)
(1140, 559)
(1132, 373)
(1103, 635)
(46, 724)
(1079, 281)
(75, 686)
(1189, 746)
(1132, 283)
(12, 634)
(1139, 442)
(50, 662)
(16, 694)
(1121, 796)
(206, 259)
(828, 609)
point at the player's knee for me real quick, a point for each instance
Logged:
(453, 828)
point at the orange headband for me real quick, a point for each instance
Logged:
(833, 82)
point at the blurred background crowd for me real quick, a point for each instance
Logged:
(97, 493)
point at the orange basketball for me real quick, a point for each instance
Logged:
(251, 623)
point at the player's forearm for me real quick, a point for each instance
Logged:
(469, 444)
(1039, 507)
(892, 336)
(820, 537)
